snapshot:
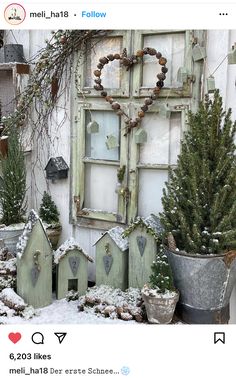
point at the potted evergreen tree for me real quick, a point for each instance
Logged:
(159, 295)
(12, 191)
(49, 214)
(199, 215)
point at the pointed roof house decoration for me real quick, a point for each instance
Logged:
(34, 263)
(72, 268)
(112, 259)
(143, 236)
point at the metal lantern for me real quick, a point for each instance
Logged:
(182, 75)
(112, 142)
(140, 136)
(211, 84)
(198, 53)
(232, 55)
(93, 127)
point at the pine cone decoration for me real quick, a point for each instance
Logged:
(140, 53)
(158, 55)
(100, 66)
(111, 57)
(103, 60)
(164, 70)
(161, 76)
(115, 106)
(171, 241)
(97, 73)
(162, 61)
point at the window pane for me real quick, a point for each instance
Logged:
(163, 139)
(100, 186)
(109, 125)
(111, 72)
(172, 47)
(151, 183)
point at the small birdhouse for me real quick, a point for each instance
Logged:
(112, 259)
(232, 55)
(112, 142)
(198, 53)
(164, 111)
(140, 136)
(211, 84)
(34, 264)
(93, 127)
(72, 268)
(143, 235)
(182, 75)
(56, 168)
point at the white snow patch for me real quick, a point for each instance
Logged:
(116, 235)
(22, 242)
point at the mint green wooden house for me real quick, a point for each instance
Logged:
(112, 259)
(34, 264)
(72, 268)
(143, 235)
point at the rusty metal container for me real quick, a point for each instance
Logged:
(205, 284)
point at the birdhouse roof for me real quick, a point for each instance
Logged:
(116, 234)
(152, 224)
(33, 218)
(58, 162)
(68, 246)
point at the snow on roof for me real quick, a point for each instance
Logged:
(67, 246)
(154, 222)
(116, 234)
(23, 240)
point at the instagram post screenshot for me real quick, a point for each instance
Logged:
(117, 190)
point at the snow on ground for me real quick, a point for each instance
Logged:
(62, 312)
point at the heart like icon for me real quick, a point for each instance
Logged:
(14, 337)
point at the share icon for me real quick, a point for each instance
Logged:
(61, 336)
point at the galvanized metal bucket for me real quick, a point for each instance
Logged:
(205, 284)
(10, 237)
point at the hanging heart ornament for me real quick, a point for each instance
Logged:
(128, 62)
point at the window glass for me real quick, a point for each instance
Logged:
(172, 47)
(109, 125)
(111, 73)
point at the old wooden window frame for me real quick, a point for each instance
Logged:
(180, 99)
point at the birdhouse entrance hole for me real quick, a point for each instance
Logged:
(73, 285)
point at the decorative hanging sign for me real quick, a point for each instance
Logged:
(74, 264)
(141, 241)
(107, 260)
(35, 274)
(128, 62)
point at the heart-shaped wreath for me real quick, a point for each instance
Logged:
(128, 62)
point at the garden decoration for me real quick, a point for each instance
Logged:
(159, 295)
(72, 268)
(112, 259)
(128, 63)
(143, 236)
(199, 215)
(34, 264)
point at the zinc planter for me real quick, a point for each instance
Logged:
(10, 235)
(160, 308)
(53, 234)
(205, 283)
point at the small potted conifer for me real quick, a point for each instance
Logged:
(199, 215)
(12, 190)
(49, 214)
(159, 295)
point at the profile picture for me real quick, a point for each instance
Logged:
(14, 14)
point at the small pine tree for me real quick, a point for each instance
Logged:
(199, 201)
(13, 183)
(48, 211)
(161, 278)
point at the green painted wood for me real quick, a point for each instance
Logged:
(64, 274)
(140, 266)
(118, 275)
(39, 295)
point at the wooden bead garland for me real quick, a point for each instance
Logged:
(128, 62)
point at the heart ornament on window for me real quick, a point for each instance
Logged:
(129, 62)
